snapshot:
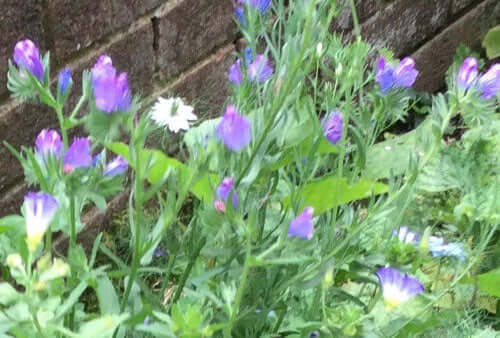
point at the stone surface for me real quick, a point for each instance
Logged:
(18, 20)
(191, 30)
(404, 25)
(19, 125)
(364, 9)
(459, 5)
(434, 58)
(11, 200)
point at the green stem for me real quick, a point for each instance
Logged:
(78, 107)
(72, 222)
(357, 28)
(187, 272)
(64, 132)
(138, 203)
(241, 288)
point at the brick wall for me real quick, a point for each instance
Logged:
(184, 47)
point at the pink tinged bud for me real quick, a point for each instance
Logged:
(220, 206)
(224, 190)
(489, 82)
(467, 73)
(48, 143)
(303, 225)
(27, 56)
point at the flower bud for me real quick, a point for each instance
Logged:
(27, 56)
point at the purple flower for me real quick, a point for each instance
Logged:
(396, 287)
(64, 80)
(260, 69)
(111, 91)
(235, 74)
(405, 235)
(223, 191)
(239, 13)
(234, 129)
(467, 73)
(332, 127)
(390, 77)
(303, 225)
(117, 166)
(78, 155)
(39, 209)
(27, 56)
(261, 5)
(48, 143)
(489, 82)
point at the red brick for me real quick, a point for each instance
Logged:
(435, 57)
(190, 31)
(404, 25)
(18, 20)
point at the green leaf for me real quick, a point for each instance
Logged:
(327, 192)
(106, 295)
(489, 282)
(102, 327)
(160, 164)
(7, 294)
(491, 42)
(11, 222)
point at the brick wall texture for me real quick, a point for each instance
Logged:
(184, 47)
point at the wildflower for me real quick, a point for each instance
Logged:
(117, 166)
(260, 70)
(467, 73)
(235, 75)
(390, 77)
(489, 83)
(27, 56)
(223, 191)
(48, 143)
(303, 225)
(111, 91)
(261, 5)
(64, 80)
(40, 208)
(439, 248)
(234, 129)
(396, 287)
(239, 12)
(405, 235)
(78, 155)
(248, 55)
(332, 127)
(172, 113)
(158, 252)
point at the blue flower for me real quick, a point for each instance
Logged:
(489, 83)
(234, 74)
(389, 77)
(48, 143)
(117, 166)
(78, 155)
(439, 248)
(225, 188)
(303, 225)
(260, 69)
(467, 73)
(39, 210)
(234, 129)
(396, 287)
(333, 127)
(64, 80)
(405, 235)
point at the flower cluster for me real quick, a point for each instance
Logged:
(388, 76)
(487, 84)
(258, 69)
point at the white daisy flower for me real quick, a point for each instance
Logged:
(172, 113)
